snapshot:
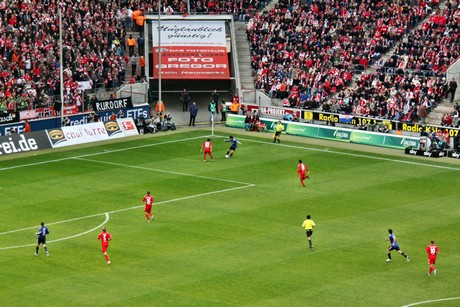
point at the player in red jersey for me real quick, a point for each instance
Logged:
(302, 170)
(105, 237)
(432, 250)
(148, 200)
(207, 146)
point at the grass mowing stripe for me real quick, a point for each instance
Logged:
(130, 208)
(98, 153)
(244, 247)
(163, 171)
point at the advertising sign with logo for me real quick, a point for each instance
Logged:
(190, 49)
(302, 130)
(79, 134)
(128, 126)
(334, 134)
(453, 132)
(401, 142)
(112, 104)
(113, 129)
(17, 143)
(236, 121)
(9, 117)
(367, 138)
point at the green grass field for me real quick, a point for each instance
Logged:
(227, 233)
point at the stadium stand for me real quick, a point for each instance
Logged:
(94, 45)
(307, 55)
(310, 54)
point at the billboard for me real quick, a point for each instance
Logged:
(190, 49)
(17, 143)
(92, 132)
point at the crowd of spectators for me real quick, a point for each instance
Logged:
(302, 52)
(94, 44)
(30, 55)
(412, 82)
(307, 55)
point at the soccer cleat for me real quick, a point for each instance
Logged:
(108, 262)
(204, 160)
(212, 160)
(429, 274)
(434, 272)
(408, 259)
(148, 221)
(388, 260)
(47, 253)
(35, 254)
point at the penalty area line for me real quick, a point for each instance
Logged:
(186, 197)
(433, 301)
(62, 239)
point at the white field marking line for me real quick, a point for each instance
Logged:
(66, 238)
(162, 171)
(130, 208)
(433, 301)
(54, 223)
(250, 140)
(355, 155)
(185, 198)
(100, 153)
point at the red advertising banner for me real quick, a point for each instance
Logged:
(190, 49)
(192, 63)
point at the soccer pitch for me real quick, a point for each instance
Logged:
(227, 233)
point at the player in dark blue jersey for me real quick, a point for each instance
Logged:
(41, 234)
(234, 143)
(394, 246)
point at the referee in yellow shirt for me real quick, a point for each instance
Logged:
(278, 129)
(308, 225)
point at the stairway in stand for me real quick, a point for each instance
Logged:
(435, 116)
(128, 74)
(244, 56)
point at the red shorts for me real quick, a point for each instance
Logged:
(431, 259)
(104, 247)
(148, 208)
(303, 176)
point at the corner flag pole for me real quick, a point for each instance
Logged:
(159, 52)
(212, 124)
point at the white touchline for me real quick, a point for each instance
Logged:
(356, 155)
(249, 140)
(62, 239)
(99, 153)
(433, 301)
